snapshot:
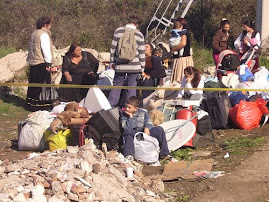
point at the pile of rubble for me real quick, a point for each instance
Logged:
(76, 174)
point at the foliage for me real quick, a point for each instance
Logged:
(6, 50)
(92, 22)
(183, 154)
(236, 146)
(202, 56)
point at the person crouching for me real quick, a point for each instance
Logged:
(134, 120)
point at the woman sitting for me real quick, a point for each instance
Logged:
(192, 79)
(80, 68)
(153, 71)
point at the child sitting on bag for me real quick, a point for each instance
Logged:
(134, 120)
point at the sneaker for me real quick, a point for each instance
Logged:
(157, 163)
(129, 158)
(171, 158)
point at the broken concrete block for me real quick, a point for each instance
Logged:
(13, 167)
(72, 150)
(56, 186)
(72, 197)
(157, 185)
(96, 168)
(19, 198)
(38, 194)
(86, 167)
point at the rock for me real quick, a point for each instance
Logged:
(12, 64)
(20, 188)
(150, 193)
(104, 57)
(55, 199)
(72, 150)
(96, 168)
(19, 198)
(72, 197)
(210, 71)
(12, 168)
(197, 154)
(157, 185)
(120, 177)
(38, 194)
(2, 169)
(66, 186)
(56, 186)
(92, 51)
(86, 167)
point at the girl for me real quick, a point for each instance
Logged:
(192, 79)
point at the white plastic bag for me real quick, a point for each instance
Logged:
(146, 148)
(31, 137)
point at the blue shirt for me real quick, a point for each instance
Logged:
(138, 122)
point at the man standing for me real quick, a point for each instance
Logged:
(127, 58)
(220, 40)
(40, 57)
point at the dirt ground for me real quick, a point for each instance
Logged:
(246, 170)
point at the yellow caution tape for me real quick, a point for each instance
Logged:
(128, 87)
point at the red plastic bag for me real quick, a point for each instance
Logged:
(247, 115)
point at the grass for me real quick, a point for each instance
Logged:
(202, 57)
(237, 146)
(183, 154)
(183, 198)
(263, 60)
(6, 50)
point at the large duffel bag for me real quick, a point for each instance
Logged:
(105, 128)
(217, 105)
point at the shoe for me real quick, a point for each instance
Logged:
(157, 163)
(173, 160)
(170, 158)
(129, 158)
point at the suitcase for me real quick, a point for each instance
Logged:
(105, 128)
(217, 104)
(79, 134)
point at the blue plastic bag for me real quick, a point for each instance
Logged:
(236, 96)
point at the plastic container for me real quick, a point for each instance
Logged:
(188, 114)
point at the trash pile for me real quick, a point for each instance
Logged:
(77, 174)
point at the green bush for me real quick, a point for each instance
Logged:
(6, 50)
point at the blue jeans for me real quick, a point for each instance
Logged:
(119, 80)
(156, 132)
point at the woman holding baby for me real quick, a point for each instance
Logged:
(181, 52)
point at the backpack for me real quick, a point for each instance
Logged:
(230, 62)
(127, 46)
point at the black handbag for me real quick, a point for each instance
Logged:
(48, 93)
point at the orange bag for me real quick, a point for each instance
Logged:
(247, 115)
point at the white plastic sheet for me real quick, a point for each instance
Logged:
(95, 100)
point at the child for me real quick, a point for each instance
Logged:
(134, 120)
(175, 37)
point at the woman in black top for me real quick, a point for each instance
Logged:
(153, 71)
(179, 63)
(80, 68)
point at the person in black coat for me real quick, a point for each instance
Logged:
(153, 71)
(79, 68)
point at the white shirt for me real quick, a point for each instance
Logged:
(185, 84)
(45, 47)
(238, 42)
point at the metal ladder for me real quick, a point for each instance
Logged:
(154, 31)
